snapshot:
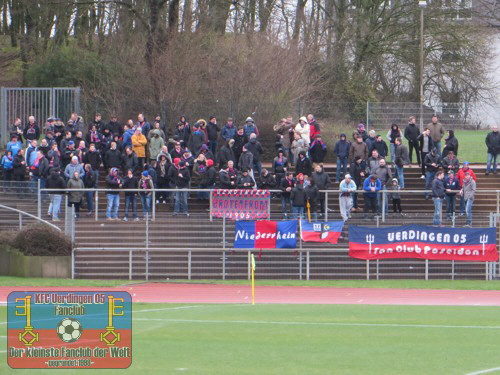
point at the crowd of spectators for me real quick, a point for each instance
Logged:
(142, 156)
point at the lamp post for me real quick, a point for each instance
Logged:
(422, 4)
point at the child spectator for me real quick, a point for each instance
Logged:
(395, 196)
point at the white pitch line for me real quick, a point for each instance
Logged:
(316, 323)
(484, 371)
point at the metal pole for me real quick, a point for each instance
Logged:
(73, 224)
(73, 263)
(224, 232)
(189, 264)
(96, 208)
(383, 206)
(300, 265)
(153, 205)
(377, 270)
(453, 270)
(498, 202)
(210, 206)
(130, 260)
(20, 221)
(223, 265)
(421, 69)
(326, 206)
(39, 196)
(427, 269)
(486, 272)
(147, 248)
(367, 269)
(249, 261)
(367, 115)
(308, 265)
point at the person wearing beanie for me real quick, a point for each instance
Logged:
(318, 150)
(75, 197)
(182, 180)
(226, 153)
(395, 196)
(206, 152)
(347, 187)
(197, 137)
(113, 183)
(303, 164)
(341, 150)
(256, 149)
(245, 181)
(145, 186)
(250, 127)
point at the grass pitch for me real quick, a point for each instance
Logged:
(306, 339)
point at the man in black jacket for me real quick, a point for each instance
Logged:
(322, 181)
(112, 157)
(213, 132)
(182, 180)
(93, 157)
(411, 134)
(55, 181)
(130, 160)
(432, 164)
(493, 145)
(286, 187)
(267, 180)
(438, 192)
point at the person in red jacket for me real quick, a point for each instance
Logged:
(461, 176)
(314, 129)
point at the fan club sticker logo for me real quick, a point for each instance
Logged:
(69, 330)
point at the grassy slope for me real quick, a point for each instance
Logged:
(404, 284)
(245, 339)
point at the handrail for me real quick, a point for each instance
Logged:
(30, 215)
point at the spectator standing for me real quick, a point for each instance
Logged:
(90, 183)
(373, 161)
(31, 130)
(267, 180)
(342, 151)
(371, 186)
(19, 172)
(314, 128)
(370, 141)
(182, 181)
(213, 133)
(451, 144)
(143, 125)
(113, 183)
(357, 173)
(322, 181)
(438, 193)
(380, 146)
(286, 187)
(284, 133)
(139, 143)
(360, 130)
(359, 148)
(303, 129)
(298, 198)
(197, 138)
(73, 167)
(240, 140)
(246, 161)
(461, 177)
(450, 162)
(297, 147)
(130, 182)
(493, 145)
(432, 164)
(39, 171)
(425, 146)
(130, 161)
(112, 157)
(145, 186)
(347, 187)
(384, 173)
(452, 187)
(412, 133)
(468, 192)
(162, 167)
(151, 134)
(280, 166)
(395, 196)
(436, 132)
(75, 197)
(250, 127)
(14, 145)
(55, 181)
(303, 165)
(156, 144)
(318, 150)
(392, 134)
(226, 153)
(93, 157)
(401, 160)
(256, 149)
(54, 156)
(7, 164)
(113, 127)
(312, 194)
(95, 137)
(16, 129)
(228, 130)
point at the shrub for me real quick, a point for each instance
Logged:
(42, 240)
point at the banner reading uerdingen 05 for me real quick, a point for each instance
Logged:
(55, 329)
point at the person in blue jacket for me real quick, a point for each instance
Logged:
(371, 186)
(7, 164)
(452, 187)
(14, 145)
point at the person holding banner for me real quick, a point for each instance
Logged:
(347, 186)
(468, 192)
(438, 192)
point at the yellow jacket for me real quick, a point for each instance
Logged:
(139, 143)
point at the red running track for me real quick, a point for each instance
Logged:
(213, 293)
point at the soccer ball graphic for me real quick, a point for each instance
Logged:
(69, 330)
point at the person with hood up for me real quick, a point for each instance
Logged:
(412, 133)
(371, 186)
(74, 166)
(280, 166)
(205, 151)
(240, 140)
(156, 144)
(392, 134)
(145, 186)
(468, 192)
(228, 130)
(359, 148)
(197, 138)
(450, 162)
(298, 198)
(90, 183)
(157, 126)
(226, 153)
(139, 143)
(452, 187)
(342, 151)
(318, 150)
(113, 183)
(493, 145)
(461, 177)
(55, 181)
(286, 187)
(314, 128)
(303, 129)
(250, 127)
(130, 182)
(361, 131)
(7, 164)
(347, 187)
(451, 143)
(182, 181)
(267, 180)
(303, 165)
(75, 197)
(213, 134)
(245, 180)
(395, 196)
(256, 149)
(432, 164)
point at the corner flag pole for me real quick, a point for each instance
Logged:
(253, 279)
